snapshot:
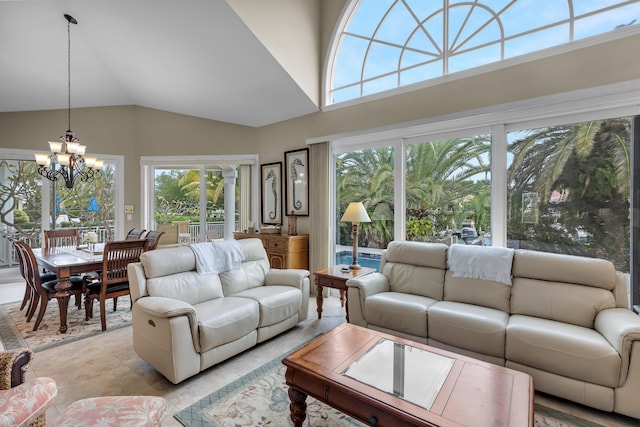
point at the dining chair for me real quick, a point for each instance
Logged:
(28, 297)
(41, 292)
(113, 281)
(135, 234)
(64, 237)
(153, 237)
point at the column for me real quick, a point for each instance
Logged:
(229, 176)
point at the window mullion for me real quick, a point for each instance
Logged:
(498, 186)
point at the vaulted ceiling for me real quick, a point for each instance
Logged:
(195, 57)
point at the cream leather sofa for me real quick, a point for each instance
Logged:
(184, 322)
(562, 319)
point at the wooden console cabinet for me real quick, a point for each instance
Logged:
(283, 251)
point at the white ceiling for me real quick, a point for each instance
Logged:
(192, 57)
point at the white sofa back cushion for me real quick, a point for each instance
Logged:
(168, 261)
(563, 302)
(552, 267)
(486, 293)
(415, 268)
(251, 273)
(188, 286)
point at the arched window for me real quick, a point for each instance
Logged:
(386, 44)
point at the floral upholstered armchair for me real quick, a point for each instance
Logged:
(23, 402)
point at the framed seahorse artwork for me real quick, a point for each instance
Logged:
(271, 178)
(296, 183)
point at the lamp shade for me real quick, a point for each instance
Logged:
(355, 213)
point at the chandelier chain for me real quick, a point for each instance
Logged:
(69, 74)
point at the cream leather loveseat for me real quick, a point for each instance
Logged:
(562, 319)
(185, 322)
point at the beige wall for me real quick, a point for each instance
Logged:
(289, 29)
(136, 131)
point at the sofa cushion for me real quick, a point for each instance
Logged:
(250, 275)
(563, 302)
(486, 293)
(168, 261)
(563, 349)
(433, 255)
(276, 302)
(402, 312)
(554, 267)
(253, 270)
(409, 279)
(415, 268)
(187, 286)
(224, 320)
(475, 328)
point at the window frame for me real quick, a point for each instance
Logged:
(116, 160)
(616, 100)
(148, 165)
(342, 25)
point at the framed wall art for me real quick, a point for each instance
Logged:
(296, 165)
(271, 178)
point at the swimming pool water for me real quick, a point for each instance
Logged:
(364, 259)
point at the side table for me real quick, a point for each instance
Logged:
(333, 277)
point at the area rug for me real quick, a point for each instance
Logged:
(15, 332)
(260, 399)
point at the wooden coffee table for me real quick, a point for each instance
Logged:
(384, 380)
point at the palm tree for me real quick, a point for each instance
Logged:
(442, 177)
(190, 183)
(589, 164)
(367, 176)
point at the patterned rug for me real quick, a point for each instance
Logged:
(15, 332)
(260, 399)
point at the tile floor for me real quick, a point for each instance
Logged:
(106, 364)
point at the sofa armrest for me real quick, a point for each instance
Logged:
(358, 290)
(370, 284)
(166, 307)
(290, 277)
(621, 327)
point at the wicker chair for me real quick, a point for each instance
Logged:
(184, 236)
(23, 402)
(170, 236)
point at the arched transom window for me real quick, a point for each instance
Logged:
(385, 44)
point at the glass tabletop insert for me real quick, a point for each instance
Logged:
(407, 372)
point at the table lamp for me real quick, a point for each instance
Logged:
(355, 214)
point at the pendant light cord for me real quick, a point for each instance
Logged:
(69, 73)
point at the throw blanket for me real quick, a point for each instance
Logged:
(217, 257)
(481, 262)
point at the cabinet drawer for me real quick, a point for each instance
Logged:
(277, 244)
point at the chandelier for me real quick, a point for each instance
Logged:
(67, 160)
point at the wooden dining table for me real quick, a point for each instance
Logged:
(65, 262)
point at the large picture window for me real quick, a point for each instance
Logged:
(569, 189)
(560, 185)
